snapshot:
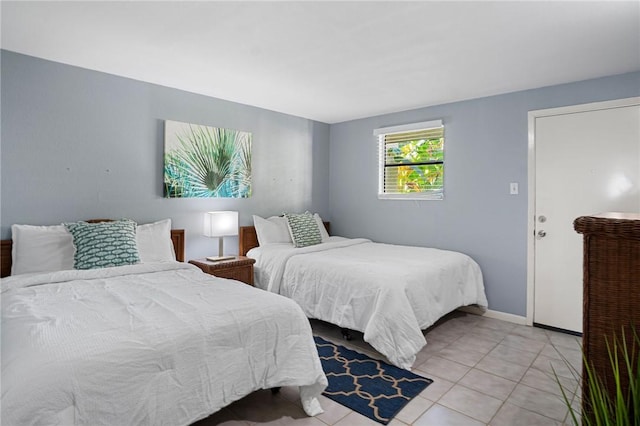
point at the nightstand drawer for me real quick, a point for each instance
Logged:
(239, 268)
(244, 274)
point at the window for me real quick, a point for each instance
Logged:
(411, 159)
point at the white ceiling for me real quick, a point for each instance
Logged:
(334, 61)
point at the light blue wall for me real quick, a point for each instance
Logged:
(79, 144)
(485, 149)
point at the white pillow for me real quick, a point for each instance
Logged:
(323, 231)
(50, 248)
(272, 230)
(154, 242)
(41, 249)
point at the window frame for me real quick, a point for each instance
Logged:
(405, 128)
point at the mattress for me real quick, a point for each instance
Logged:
(388, 292)
(155, 344)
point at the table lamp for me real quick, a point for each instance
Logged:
(220, 224)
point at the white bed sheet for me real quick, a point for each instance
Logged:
(156, 344)
(388, 292)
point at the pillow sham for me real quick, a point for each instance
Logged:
(154, 242)
(40, 249)
(304, 229)
(104, 244)
(271, 230)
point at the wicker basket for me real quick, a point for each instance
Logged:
(611, 290)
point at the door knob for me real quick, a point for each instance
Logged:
(542, 234)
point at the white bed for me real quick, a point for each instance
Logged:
(156, 343)
(388, 292)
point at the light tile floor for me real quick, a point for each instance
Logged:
(485, 372)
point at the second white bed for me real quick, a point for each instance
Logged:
(388, 292)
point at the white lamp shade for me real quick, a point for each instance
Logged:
(220, 224)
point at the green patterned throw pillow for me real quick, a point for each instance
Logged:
(99, 245)
(304, 229)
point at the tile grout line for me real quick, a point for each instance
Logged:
(519, 382)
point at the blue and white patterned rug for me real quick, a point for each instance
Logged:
(372, 388)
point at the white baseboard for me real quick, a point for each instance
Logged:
(516, 319)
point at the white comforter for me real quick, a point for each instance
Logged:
(156, 344)
(388, 292)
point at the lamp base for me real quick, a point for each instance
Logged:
(219, 258)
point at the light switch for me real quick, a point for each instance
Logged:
(513, 188)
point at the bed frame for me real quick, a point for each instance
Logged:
(177, 237)
(249, 239)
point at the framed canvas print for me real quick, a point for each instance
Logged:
(203, 161)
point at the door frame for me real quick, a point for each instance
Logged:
(531, 179)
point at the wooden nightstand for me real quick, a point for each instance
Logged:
(239, 268)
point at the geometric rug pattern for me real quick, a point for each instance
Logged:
(372, 388)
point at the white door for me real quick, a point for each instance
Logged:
(585, 163)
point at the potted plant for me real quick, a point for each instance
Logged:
(616, 399)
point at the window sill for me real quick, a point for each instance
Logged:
(419, 197)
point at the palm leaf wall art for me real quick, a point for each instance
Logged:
(202, 161)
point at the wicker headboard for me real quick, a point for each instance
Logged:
(177, 237)
(249, 239)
